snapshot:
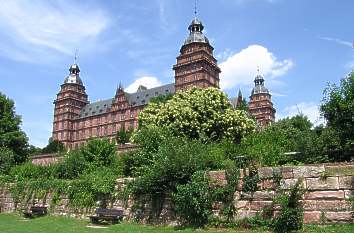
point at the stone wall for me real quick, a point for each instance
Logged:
(328, 190)
(47, 159)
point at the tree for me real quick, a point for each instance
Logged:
(337, 108)
(123, 136)
(54, 146)
(11, 136)
(199, 113)
(99, 152)
(6, 160)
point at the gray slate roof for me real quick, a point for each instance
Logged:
(73, 78)
(139, 98)
(142, 97)
(196, 37)
(96, 108)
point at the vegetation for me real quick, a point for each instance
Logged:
(290, 218)
(13, 141)
(85, 176)
(199, 113)
(337, 108)
(53, 146)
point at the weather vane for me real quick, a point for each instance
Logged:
(76, 54)
(195, 8)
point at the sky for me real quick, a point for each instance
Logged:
(299, 47)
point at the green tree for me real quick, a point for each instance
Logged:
(99, 152)
(123, 136)
(199, 113)
(11, 136)
(54, 147)
(338, 109)
(6, 160)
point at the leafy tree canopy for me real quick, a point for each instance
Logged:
(11, 136)
(199, 113)
(337, 108)
(54, 147)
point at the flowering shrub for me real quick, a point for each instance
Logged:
(199, 113)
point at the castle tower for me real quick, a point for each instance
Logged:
(70, 100)
(196, 65)
(260, 105)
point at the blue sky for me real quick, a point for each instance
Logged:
(298, 45)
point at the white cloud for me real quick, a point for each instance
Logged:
(309, 109)
(336, 40)
(32, 29)
(240, 68)
(147, 81)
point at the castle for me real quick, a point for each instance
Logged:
(76, 119)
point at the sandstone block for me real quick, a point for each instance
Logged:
(338, 194)
(265, 172)
(312, 217)
(246, 214)
(331, 205)
(287, 172)
(217, 178)
(289, 183)
(241, 204)
(345, 216)
(268, 184)
(263, 195)
(339, 170)
(329, 183)
(308, 171)
(346, 182)
(309, 205)
(259, 205)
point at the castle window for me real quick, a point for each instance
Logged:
(143, 101)
(156, 93)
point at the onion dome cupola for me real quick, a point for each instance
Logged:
(259, 87)
(74, 76)
(196, 33)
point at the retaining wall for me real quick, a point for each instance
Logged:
(329, 189)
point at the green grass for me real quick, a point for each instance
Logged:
(10, 223)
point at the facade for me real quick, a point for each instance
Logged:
(260, 105)
(76, 119)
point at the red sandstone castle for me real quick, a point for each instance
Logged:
(76, 119)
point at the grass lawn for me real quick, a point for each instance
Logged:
(10, 223)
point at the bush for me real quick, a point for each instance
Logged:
(73, 165)
(192, 201)
(54, 147)
(7, 160)
(199, 113)
(99, 152)
(290, 217)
